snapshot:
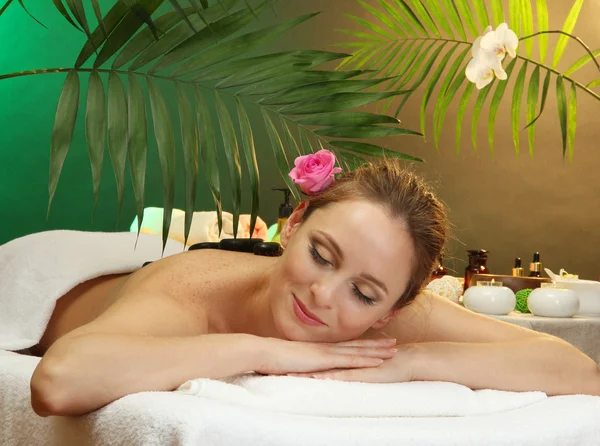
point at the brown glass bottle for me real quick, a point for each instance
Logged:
(439, 271)
(477, 265)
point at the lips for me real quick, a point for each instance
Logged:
(305, 315)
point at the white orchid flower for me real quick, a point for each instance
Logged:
(481, 70)
(488, 51)
(500, 42)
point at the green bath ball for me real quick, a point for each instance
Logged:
(522, 300)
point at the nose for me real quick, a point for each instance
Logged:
(323, 291)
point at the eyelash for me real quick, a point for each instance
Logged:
(320, 260)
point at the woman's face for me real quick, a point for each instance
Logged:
(342, 271)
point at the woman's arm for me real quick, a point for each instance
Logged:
(152, 343)
(544, 363)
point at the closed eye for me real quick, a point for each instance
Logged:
(316, 256)
(365, 299)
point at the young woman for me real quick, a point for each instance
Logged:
(342, 302)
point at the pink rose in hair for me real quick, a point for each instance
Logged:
(314, 173)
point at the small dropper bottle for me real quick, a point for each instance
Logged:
(518, 271)
(535, 267)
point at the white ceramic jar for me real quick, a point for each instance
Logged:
(588, 293)
(552, 300)
(490, 298)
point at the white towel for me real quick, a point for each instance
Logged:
(38, 269)
(330, 398)
(161, 418)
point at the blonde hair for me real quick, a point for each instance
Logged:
(404, 195)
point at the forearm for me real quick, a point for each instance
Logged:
(542, 363)
(86, 372)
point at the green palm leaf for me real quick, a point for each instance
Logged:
(177, 7)
(189, 139)
(117, 134)
(58, 4)
(288, 81)
(208, 151)
(78, 11)
(137, 143)
(461, 112)
(515, 15)
(431, 85)
(98, 14)
(593, 84)
(95, 130)
(291, 143)
(336, 102)
(251, 161)
(581, 62)
(97, 38)
(572, 124)
(232, 155)
(347, 118)
(305, 144)
(366, 149)
(544, 94)
(172, 38)
(453, 14)
(482, 14)
(516, 105)
(145, 38)
(561, 102)
(318, 89)
(124, 31)
(567, 28)
(402, 26)
(383, 18)
(435, 9)
(364, 131)
(424, 16)
(466, 14)
(532, 98)
(445, 98)
(199, 41)
(280, 157)
(542, 17)
(237, 46)
(165, 140)
(497, 12)
(527, 24)
(496, 99)
(62, 133)
(410, 16)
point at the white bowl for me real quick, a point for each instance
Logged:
(588, 293)
(553, 302)
(490, 300)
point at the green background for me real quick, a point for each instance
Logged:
(27, 112)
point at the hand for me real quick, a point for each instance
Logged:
(393, 370)
(282, 357)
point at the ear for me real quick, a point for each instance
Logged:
(381, 323)
(292, 222)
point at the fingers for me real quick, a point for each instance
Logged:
(368, 352)
(356, 375)
(354, 362)
(383, 342)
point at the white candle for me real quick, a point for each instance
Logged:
(490, 298)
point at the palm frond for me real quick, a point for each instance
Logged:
(216, 70)
(426, 42)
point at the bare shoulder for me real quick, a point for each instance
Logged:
(433, 318)
(172, 296)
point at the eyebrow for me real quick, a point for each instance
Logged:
(340, 254)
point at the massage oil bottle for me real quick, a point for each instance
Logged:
(285, 210)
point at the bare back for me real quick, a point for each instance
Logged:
(201, 288)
